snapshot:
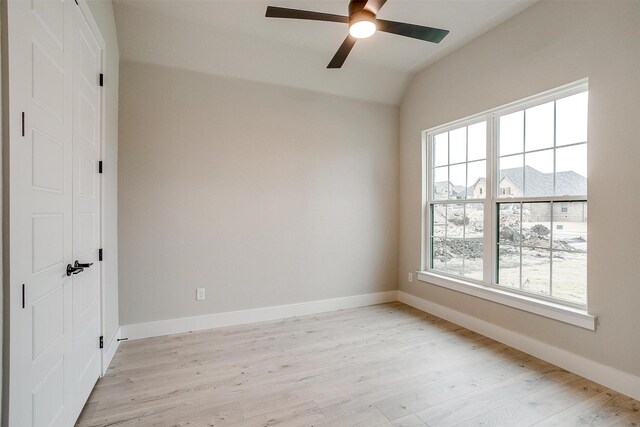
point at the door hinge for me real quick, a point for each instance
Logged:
(101, 79)
(99, 254)
(101, 341)
(24, 124)
(23, 296)
(100, 166)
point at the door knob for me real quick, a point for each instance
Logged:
(73, 270)
(77, 264)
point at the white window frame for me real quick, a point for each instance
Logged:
(565, 311)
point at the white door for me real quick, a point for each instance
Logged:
(86, 206)
(50, 357)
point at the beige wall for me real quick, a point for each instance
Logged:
(102, 11)
(261, 194)
(548, 45)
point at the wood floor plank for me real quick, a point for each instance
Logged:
(456, 411)
(511, 414)
(409, 421)
(632, 420)
(384, 365)
(603, 409)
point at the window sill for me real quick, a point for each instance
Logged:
(572, 316)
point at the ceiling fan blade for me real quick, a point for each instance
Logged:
(434, 35)
(342, 53)
(375, 5)
(283, 12)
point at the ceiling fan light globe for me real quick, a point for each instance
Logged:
(362, 29)
(362, 24)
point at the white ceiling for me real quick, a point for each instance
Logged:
(233, 38)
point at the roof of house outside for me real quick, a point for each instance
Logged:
(443, 187)
(538, 183)
(541, 184)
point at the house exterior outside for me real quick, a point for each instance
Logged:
(528, 181)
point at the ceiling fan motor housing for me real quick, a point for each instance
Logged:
(362, 15)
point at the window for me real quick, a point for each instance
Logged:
(514, 219)
(457, 219)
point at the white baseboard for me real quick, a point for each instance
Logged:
(218, 320)
(615, 379)
(110, 351)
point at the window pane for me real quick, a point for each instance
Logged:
(571, 119)
(441, 183)
(477, 141)
(458, 181)
(461, 252)
(536, 224)
(511, 133)
(509, 223)
(509, 266)
(438, 255)
(569, 276)
(538, 173)
(473, 263)
(454, 251)
(536, 271)
(441, 149)
(539, 127)
(476, 180)
(458, 145)
(571, 170)
(456, 221)
(438, 220)
(570, 227)
(474, 229)
(511, 176)
(567, 223)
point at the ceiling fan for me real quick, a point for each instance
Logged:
(363, 22)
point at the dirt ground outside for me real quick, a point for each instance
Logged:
(525, 259)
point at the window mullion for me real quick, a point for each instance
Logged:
(555, 191)
(521, 245)
(489, 246)
(551, 224)
(427, 199)
(446, 229)
(464, 237)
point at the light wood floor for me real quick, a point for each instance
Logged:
(385, 365)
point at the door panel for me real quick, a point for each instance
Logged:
(51, 15)
(48, 162)
(48, 242)
(48, 397)
(48, 82)
(40, 214)
(48, 321)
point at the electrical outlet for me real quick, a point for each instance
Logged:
(411, 277)
(199, 294)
